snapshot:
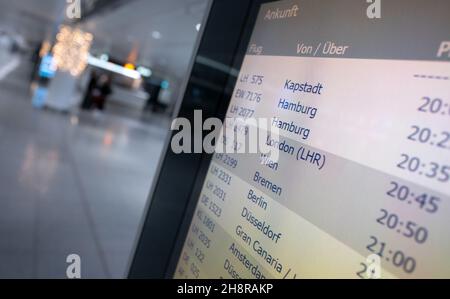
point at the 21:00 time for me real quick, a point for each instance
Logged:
(397, 257)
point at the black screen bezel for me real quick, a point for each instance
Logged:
(175, 194)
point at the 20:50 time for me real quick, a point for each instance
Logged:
(408, 229)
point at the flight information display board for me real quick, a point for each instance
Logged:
(361, 187)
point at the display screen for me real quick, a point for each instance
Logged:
(360, 95)
(47, 68)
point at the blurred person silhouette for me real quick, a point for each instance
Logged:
(35, 60)
(153, 91)
(101, 92)
(87, 100)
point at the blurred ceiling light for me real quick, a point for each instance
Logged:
(115, 68)
(165, 84)
(198, 26)
(156, 34)
(104, 57)
(145, 72)
(72, 49)
(129, 66)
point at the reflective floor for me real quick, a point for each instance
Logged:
(70, 185)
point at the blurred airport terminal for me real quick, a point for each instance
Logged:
(224, 139)
(85, 107)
